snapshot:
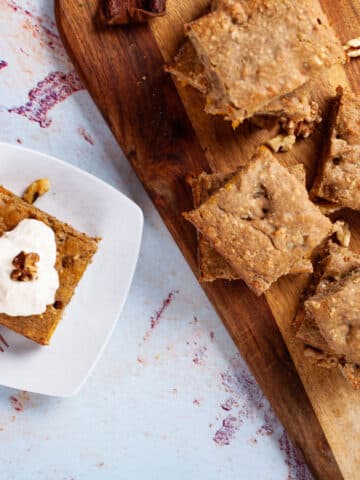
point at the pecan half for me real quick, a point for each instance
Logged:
(122, 12)
(25, 267)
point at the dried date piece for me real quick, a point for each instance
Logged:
(122, 12)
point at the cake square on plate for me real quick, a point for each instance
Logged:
(91, 206)
(74, 253)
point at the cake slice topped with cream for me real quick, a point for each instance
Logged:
(42, 260)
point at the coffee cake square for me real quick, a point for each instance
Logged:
(296, 112)
(212, 265)
(254, 51)
(262, 222)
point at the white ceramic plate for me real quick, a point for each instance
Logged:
(94, 207)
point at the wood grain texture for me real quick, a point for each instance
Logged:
(165, 134)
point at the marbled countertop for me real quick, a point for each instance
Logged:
(171, 397)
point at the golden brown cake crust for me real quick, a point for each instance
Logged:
(249, 63)
(307, 330)
(74, 253)
(338, 180)
(332, 272)
(262, 222)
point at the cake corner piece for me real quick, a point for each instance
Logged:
(338, 177)
(322, 336)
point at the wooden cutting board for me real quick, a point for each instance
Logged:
(165, 135)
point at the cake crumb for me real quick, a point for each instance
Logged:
(281, 143)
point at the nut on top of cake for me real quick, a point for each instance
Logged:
(254, 51)
(262, 222)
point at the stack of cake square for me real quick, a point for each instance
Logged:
(258, 58)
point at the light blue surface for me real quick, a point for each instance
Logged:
(152, 406)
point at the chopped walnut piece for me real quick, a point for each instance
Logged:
(122, 12)
(342, 232)
(353, 53)
(303, 127)
(36, 189)
(352, 48)
(25, 267)
(327, 208)
(353, 43)
(281, 143)
(320, 358)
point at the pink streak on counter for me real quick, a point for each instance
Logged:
(86, 135)
(48, 93)
(155, 319)
(297, 468)
(41, 27)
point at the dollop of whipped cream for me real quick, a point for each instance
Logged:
(28, 298)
